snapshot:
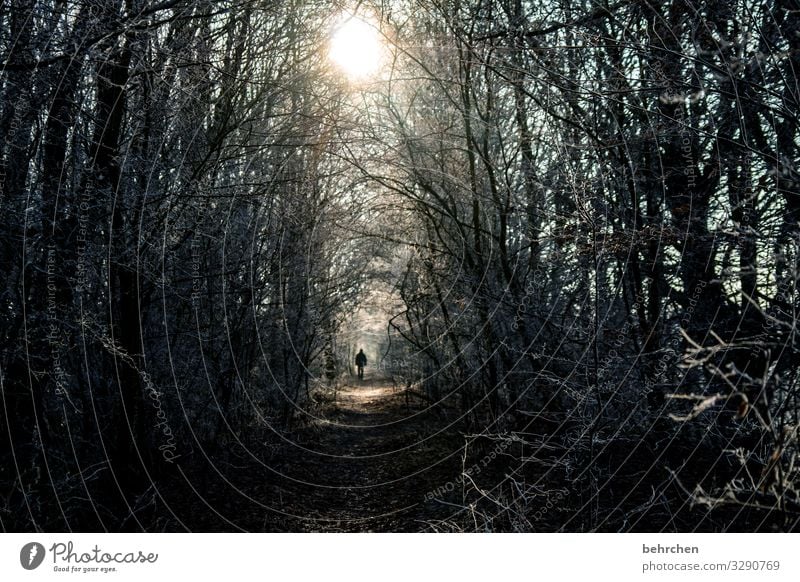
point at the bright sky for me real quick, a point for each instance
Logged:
(356, 47)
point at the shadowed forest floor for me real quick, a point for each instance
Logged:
(372, 455)
(363, 461)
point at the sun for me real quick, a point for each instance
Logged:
(356, 47)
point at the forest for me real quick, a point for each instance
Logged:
(565, 233)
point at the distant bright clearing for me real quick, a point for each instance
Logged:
(356, 47)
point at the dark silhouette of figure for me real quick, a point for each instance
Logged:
(361, 361)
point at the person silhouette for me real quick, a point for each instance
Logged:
(361, 361)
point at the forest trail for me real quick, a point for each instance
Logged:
(367, 461)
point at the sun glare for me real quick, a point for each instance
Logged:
(356, 47)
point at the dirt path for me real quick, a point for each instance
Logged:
(367, 462)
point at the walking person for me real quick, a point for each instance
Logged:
(361, 361)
